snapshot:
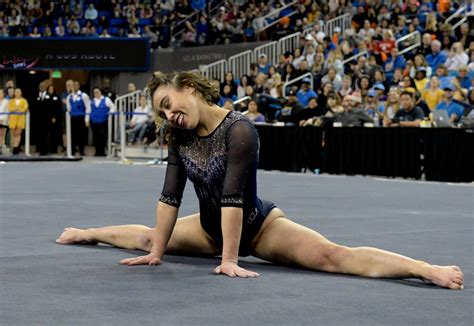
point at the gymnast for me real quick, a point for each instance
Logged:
(218, 151)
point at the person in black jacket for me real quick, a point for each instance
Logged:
(55, 117)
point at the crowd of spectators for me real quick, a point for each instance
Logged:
(164, 22)
(381, 87)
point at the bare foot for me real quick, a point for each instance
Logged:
(73, 235)
(450, 277)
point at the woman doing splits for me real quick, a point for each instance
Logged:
(218, 151)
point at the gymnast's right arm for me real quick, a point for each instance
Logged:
(166, 211)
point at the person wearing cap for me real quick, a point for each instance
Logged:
(420, 79)
(290, 110)
(453, 109)
(380, 89)
(305, 92)
(372, 106)
(409, 115)
(353, 115)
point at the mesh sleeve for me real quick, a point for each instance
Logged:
(242, 157)
(175, 179)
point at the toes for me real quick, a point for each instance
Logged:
(458, 281)
(455, 286)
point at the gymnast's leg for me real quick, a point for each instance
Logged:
(188, 237)
(285, 242)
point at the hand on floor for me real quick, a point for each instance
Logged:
(231, 269)
(150, 259)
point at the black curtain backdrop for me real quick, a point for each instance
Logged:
(442, 154)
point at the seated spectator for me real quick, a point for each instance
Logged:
(91, 13)
(380, 89)
(395, 61)
(305, 92)
(463, 78)
(322, 95)
(259, 86)
(418, 62)
(433, 95)
(409, 115)
(146, 12)
(105, 34)
(252, 112)
(363, 86)
(35, 33)
(353, 115)
(263, 65)
(228, 104)
(244, 82)
(372, 106)
(420, 79)
(425, 48)
(457, 58)
(454, 110)
(135, 33)
(333, 108)
(437, 57)
(226, 94)
(310, 113)
(139, 122)
(333, 78)
(391, 106)
(229, 80)
(290, 110)
(346, 88)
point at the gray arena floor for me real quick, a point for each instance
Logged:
(42, 283)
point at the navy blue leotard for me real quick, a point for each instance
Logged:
(223, 169)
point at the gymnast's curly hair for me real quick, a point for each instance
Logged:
(204, 88)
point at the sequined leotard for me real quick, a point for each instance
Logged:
(223, 168)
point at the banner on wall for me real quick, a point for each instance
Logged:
(116, 54)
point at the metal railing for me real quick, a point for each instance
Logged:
(288, 43)
(27, 128)
(343, 21)
(240, 100)
(125, 103)
(294, 81)
(270, 50)
(239, 64)
(215, 70)
(413, 38)
(461, 12)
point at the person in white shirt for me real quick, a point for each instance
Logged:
(139, 122)
(79, 107)
(100, 108)
(91, 13)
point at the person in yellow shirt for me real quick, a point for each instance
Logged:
(420, 79)
(433, 95)
(17, 122)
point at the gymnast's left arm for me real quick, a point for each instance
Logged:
(242, 145)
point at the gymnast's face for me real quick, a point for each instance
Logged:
(180, 108)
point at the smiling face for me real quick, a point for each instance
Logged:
(180, 108)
